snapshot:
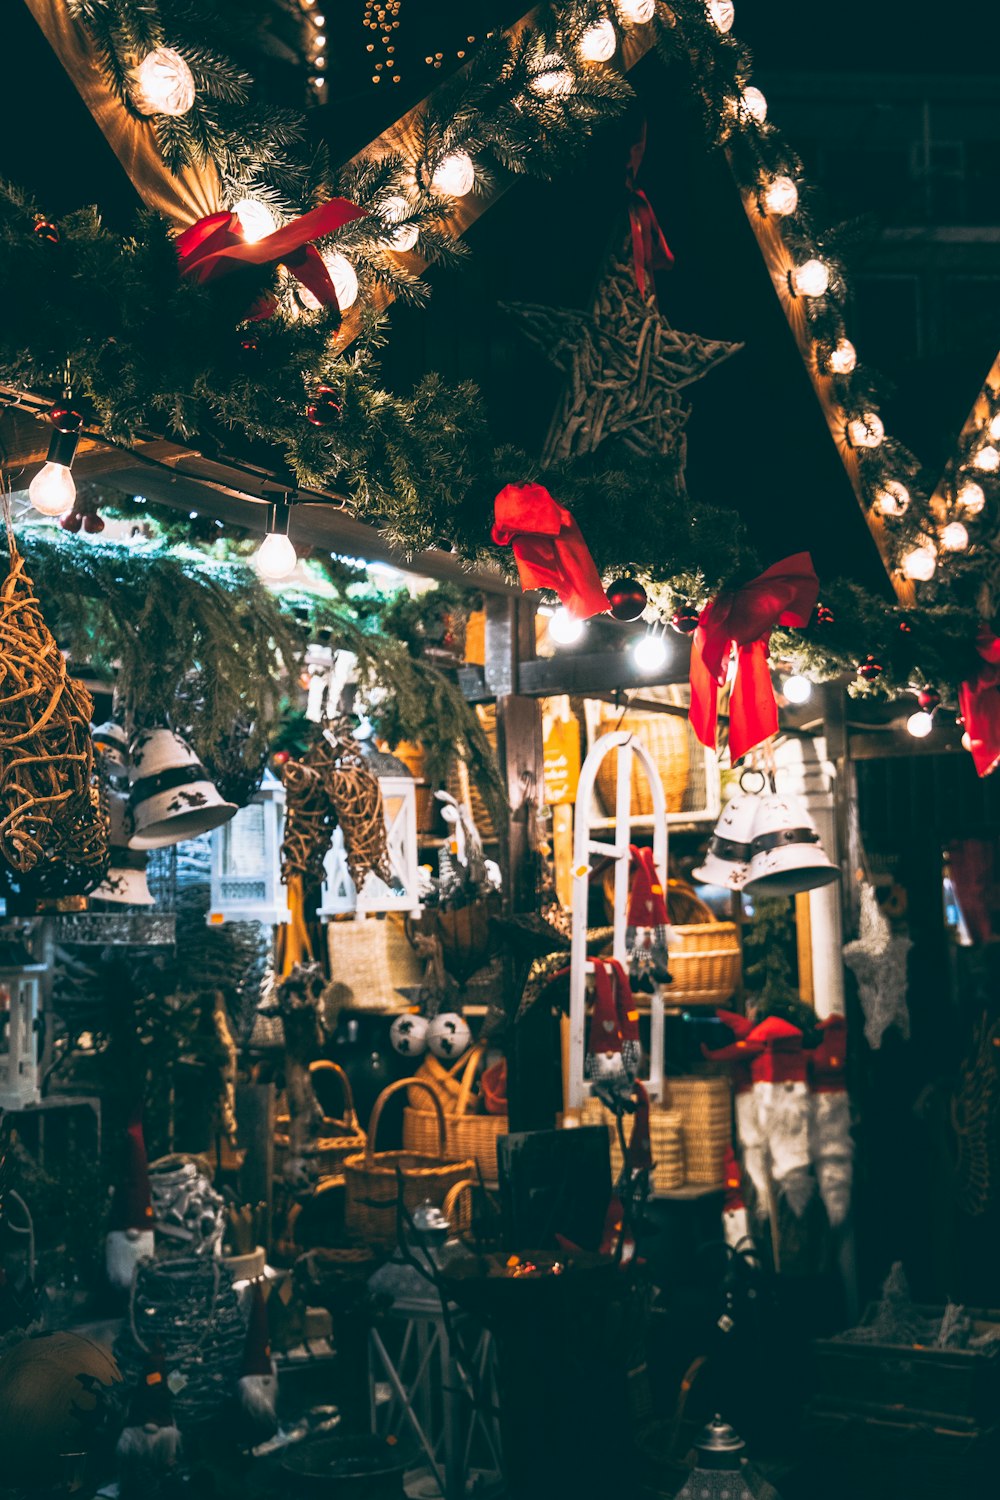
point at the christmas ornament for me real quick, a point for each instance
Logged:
(324, 409)
(824, 615)
(408, 1035)
(548, 547)
(448, 1035)
(878, 959)
(257, 1386)
(149, 1447)
(685, 620)
(929, 699)
(163, 84)
(612, 1057)
(44, 230)
(627, 598)
(786, 856)
(172, 796)
(646, 938)
(727, 859)
(739, 1054)
(870, 669)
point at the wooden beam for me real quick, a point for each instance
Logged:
(595, 673)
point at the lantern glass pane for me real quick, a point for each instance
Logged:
(244, 842)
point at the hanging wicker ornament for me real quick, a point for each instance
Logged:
(52, 820)
(356, 797)
(309, 823)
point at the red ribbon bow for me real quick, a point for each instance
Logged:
(548, 548)
(783, 595)
(650, 251)
(979, 704)
(215, 247)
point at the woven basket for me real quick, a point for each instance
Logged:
(458, 1204)
(360, 974)
(445, 1082)
(376, 1180)
(665, 736)
(705, 1108)
(705, 963)
(666, 1136)
(465, 1134)
(339, 1137)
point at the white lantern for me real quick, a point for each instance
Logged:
(246, 861)
(399, 805)
(810, 279)
(893, 498)
(971, 497)
(599, 42)
(842, 358)
(866, 430)
(20, 1004)
(454, 175)
(163, 84)
(781, 197)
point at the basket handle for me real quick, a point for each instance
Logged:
(393, 1088)
(325, 1065)
(468, 1078)
(467, 1185)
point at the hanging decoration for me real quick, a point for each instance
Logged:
(650, 251)
(548, 547)
(878, 957)
(612, 1057)
(647, 929)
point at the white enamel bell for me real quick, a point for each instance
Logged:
(786, 856)
(125, 882)
(173, 797)
(727, 861)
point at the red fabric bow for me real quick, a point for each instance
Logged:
(215, 247)
(783, 595)
(549, 550)
(650, 251)
(979, 704)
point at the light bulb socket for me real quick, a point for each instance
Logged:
(62, 447)
(279, 513)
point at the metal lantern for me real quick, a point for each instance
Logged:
(20, 1004)
(718, 1472)
(246, 861)
(399, 802)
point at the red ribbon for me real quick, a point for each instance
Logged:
(979, 704)
(784, 595)
(215, 247)
(650, 251)
(548, 548)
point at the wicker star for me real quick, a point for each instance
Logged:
(626, 367)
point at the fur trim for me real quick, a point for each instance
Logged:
(259, 1401)
(123, 1250)
(752, 1145)
(146, 1454)
(784, 1114)
(833, 1151)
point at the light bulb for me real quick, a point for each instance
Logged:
(966, 741)
(564, 629)
(344, 278)
(599, 42)
(971, 497)
(810, 279)
(650, 653)
(920, 563)
(797, 689)
(753, 104)
(553, 76)
(920, 724)
(892, 498)
(954, 537)
(994, 427)
(781, 197)
(722, 14)
(865, 431)
(53, 489)
(636, 11)
(164, 84)
(256, 219)
(276, 557)
(842, 358)
(454, 175)
(406, 236)
(987, 460)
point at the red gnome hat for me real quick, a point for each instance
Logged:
(605, 1031)
(132, 1205)
(646, 904)
(257, 1347)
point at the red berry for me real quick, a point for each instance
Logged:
(281, 757)
(928, 698)
(71, 521)
(93, 523)
(870, 669)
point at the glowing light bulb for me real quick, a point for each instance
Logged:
(781, 197)
(920, 724)
(954, 537)
(994, 427)
(966, 741)
(650, 653)
(256, 219)
(564, 629)
(987, 460)
(722, 13)
(636, 11)
(164, 84)
(53, 489)
(892, 498)
(344, 278)
(842, 358)
(810, 279)
(553, 76)
(454, 175)
(920, 563)
(865, 431)
(971, 497)
(276, 557)
(599, 42)
(753, 104)
(797, 689)
(406, 235)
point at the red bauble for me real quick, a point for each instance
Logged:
(324, 410)
(870, 669)
(65, 418)
(928, 698)
(45, 230)
(71, 521)
(824, 614)
(281, 757)
(627, 598)
(249, 344)
(905, 627)
(93, 523)
(685, 620)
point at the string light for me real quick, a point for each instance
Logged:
(954, 537)
(276, 556)
(344, 278)
(722, 14)
(971, 497)
(994, 426)
(920, 724)
(53, 489)
(638, 12)
(866, 430)
(454, 175)
(406, 236)
(781, 197)
(987, 459)
(752, 104)
(599, 42)
(553, 76)
(892, 498)
(810, 279)
(164, 84)
(797, 689)
(564, 629)
(842, 358)
(256, 219)
(920, 563)
(650, 652)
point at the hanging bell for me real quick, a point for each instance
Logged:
(786, 856)
(727, 861)
(172, 797)
(125, 882)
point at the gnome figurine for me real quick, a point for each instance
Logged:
(739, 1054)
(646, 932)
(784, 1107)
(149, 1447)
(130, 1236)
(613, 1045)
(830, 1123)
(258, 1382)
(735, 1222)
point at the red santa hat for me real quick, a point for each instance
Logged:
(257, 1346)
(132, 1204)
(646, 904)
(828, 1061)
(605, 1029)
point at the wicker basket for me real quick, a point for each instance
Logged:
(360, 975)
(376, 1180)
(665, 736)
(706, 1111)
(666, 1137)
(339, 1137)
(705, 963)
(446, 1082)
(465, 1134)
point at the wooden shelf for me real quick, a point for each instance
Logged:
(689, 1193)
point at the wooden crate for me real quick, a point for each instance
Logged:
(871, 1458)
